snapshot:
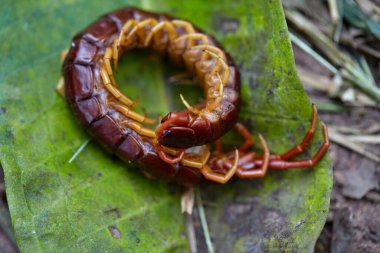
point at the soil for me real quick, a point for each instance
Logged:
(353, 224)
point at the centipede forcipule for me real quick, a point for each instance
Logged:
(107, 113)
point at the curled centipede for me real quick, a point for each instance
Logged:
(108, 115)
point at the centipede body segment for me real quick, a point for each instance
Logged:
(175, 150)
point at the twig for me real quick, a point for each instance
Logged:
(79, 150)
(350, 70)
(327, 106)
(202, 217)
(373, 139)
(342, 140)
(187, 201)
(372, 129)
(334, 13)
(305, 47)
(317, 81)
(191, 233)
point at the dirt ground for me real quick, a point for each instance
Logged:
(353, 224)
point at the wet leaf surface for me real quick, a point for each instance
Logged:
(97, 203)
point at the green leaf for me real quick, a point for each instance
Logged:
(97, 203)
(358, 18)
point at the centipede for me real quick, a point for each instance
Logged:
(179, 148)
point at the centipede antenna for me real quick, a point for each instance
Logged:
(80, 149)
(188, 106)
(226, 71)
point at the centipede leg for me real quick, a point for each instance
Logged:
(168, 26)
(192, 38)
(305, 142)
(188, 27)
(257, 173)
(61, 82)
(150, 21)
(283, 165)
(248, 140)
(166, 158)
(61, 87)
(113, 90)
(219, 146)
(209, 174)
(133, 115)
(140, 129)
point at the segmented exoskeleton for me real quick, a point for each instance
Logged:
(108, 115)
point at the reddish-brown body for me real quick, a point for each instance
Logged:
(89, 99)
(90, 92)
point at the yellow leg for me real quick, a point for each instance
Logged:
(150, 21)
(107, 62)
(140, 129)
(218, 97)
(133, 115)
(210, 48)
(209, 174)
(124, 30)
(61, 87)
(192, 38)
(188, 27)
(61, 83)
(168, 26)
(226, 69)
(194, 160)
(113, 90)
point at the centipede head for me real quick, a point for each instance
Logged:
(174, 130)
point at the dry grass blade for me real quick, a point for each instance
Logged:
(191, 233)
(187, 201)
(372, 129)
(334, 13)
(342, 140)
(318, 82)
(350, 70)
(373, 139)
(202, 216)
(305, 47)
(80, 149)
